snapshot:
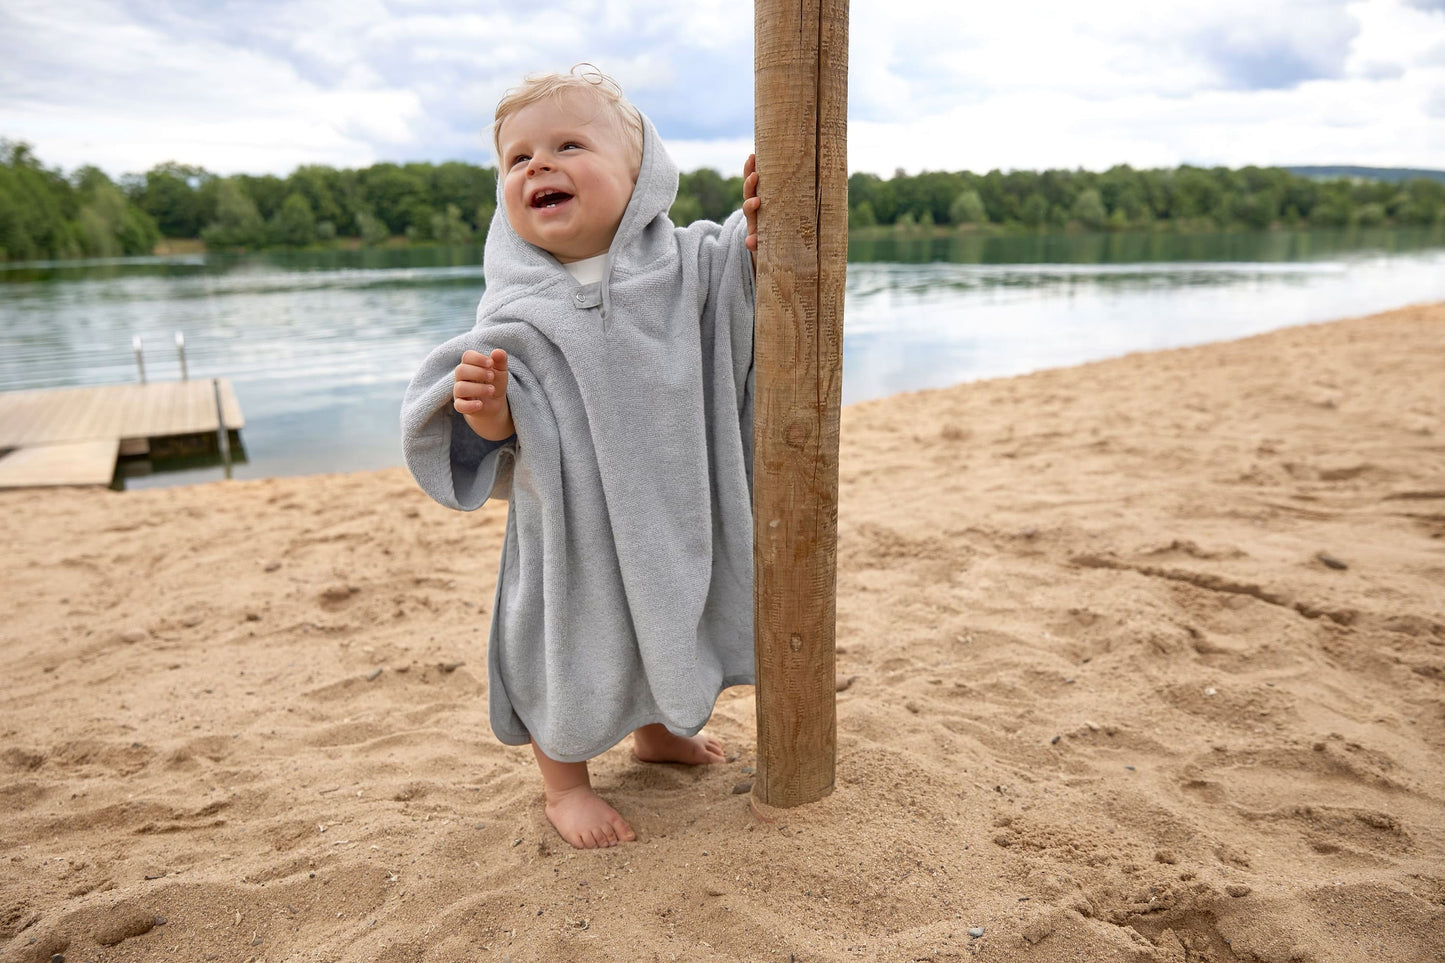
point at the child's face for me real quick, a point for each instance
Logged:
(568, 175)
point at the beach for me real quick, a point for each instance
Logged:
(1139, 660)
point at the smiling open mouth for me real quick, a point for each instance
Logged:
(550, 198)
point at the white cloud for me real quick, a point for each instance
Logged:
(1034, 84)
(936, 85)
(128, 95)
(726, 155)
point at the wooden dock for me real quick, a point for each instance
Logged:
(72, 436)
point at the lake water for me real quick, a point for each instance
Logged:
(319, 346)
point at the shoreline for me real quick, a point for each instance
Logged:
(1106, 699)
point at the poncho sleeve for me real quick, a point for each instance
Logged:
(727, 265)
(451, 463)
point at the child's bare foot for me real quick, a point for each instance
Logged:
(655, 744)
(584, 819)
(579, 815)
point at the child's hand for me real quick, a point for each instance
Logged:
(479, 393)
(751, 202)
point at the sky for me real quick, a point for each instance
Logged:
(264, 86)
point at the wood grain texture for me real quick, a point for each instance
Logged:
(801, 120)
(231, 415)
(68, 463)
(58, 422)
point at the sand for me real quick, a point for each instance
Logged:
(1144, 659)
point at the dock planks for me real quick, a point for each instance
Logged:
(71, 436)
(65, 463)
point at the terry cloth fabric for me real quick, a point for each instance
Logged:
(624, 595)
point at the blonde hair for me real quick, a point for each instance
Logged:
(583, 77)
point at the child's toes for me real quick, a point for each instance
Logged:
(712, 750)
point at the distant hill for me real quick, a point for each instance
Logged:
(1388, 174)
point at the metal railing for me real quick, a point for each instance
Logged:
(223, 435)
(140, 362)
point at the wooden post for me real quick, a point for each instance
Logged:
(801, 120)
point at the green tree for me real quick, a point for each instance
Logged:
(171, 193)
(685, 209)
(714, 199)
(485, 211)
(1370, 215)
(967, 208)
(418, 217)
(1197, 194)
(993, 191)
(465, 185)
(862, 216)
(44, 214)
(371, 229)
(13, 243)
(862, 188)
(1299, 198)
(110, 225)
(877, 193)
(1125, 193)
(1035, 211)
(37, 207)
(267, 191)
(394, 195)
(1256, 210)
(1335, 206)
(1419, 204)
(238, 223)
(294, 225)
(1058, 189)
(931, 192)
(449, 227)
(324, 190)
(1089, 210)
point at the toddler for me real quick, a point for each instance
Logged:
(605, 392)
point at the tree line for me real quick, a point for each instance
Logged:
(1123, 198)
(45, 213)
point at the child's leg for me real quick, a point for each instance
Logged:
(655, 744)
(577, 813)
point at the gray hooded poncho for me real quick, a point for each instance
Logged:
(624, 595)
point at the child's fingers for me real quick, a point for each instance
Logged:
(479, 379)
(474, 390)
(472, 399)
(471, 372)
(465, 407)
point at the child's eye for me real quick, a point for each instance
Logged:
(521, 159)
(570, 145)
